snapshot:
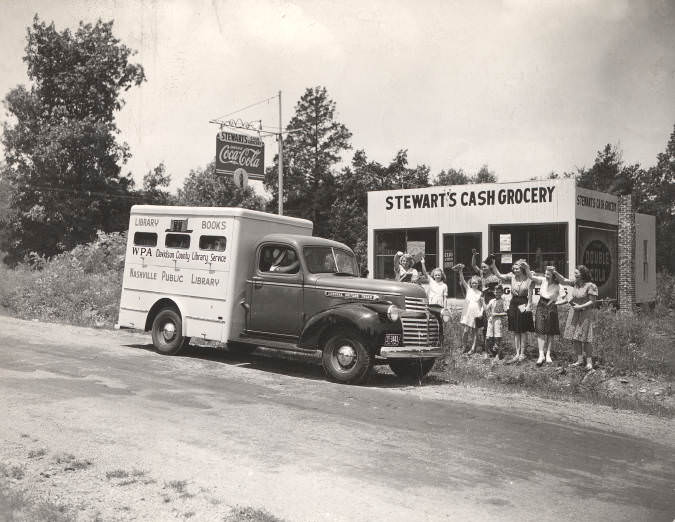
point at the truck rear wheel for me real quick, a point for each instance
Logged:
(345, 358)
(167, 336)
(412, 369)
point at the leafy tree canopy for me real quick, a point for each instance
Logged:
(62, 158)
(459, 177)
(205, 188)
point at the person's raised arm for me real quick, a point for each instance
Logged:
(561, 279)
(502, 277)
(459, 268)
(474, 256)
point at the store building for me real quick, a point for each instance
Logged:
(548, 222)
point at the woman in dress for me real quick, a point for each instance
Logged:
(519, 312)
(473, 308)
(546, 315)
(580, 319)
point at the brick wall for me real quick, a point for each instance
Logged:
(626, 249)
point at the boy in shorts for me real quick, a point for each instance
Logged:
(495, 312)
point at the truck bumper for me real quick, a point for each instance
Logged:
(411, 352)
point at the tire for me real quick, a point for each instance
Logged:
(168, 321)
(412, 369)
(345, 358)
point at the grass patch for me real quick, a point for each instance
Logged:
(36, 454)
(18, 505)
(179, 486)
(249, 514)
(127, 482)
(116, 474)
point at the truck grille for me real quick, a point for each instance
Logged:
(420, 331)
(416, 304)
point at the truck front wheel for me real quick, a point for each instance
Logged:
(345, 358)
(412, 369)
(167, 332)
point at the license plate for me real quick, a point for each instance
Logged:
(392, 339)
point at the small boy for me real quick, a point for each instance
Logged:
(495, 312)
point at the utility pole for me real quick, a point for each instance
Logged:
(281, 164)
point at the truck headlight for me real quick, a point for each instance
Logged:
(445, 314)
(393, 313)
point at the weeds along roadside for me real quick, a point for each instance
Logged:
(80, 287)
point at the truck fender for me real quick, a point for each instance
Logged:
(370, 324)
(166, 302)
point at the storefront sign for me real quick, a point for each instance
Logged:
(239, 151)
(598, 251)
(471, 198)
(598, 260)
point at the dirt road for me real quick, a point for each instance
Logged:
(97, 421)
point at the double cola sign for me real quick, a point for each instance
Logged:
(239, 151)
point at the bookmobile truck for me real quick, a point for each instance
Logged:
(261, 281)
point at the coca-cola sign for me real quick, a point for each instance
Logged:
(239, 151)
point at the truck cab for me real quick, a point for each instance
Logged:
(285, 291)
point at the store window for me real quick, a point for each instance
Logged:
(458, 248)
(416, 241)
(539, 245)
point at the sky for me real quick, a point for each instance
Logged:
(525, 87)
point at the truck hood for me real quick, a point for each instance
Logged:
(360, 284)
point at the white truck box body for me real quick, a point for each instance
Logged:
(206, 285)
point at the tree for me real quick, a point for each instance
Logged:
(608, 173)
(312, 147)
(459, 177)
(349, 210)
(205, 188)
(654, 191)
(154, 184)
(62, 158)
(452, 177)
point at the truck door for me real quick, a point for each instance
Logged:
(276, 292)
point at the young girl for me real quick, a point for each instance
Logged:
(473, 307)
(438, 290)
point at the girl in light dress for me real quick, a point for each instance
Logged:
(546, 316)
(438, 290)
(473, 307)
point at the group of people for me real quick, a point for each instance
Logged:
(485, 308)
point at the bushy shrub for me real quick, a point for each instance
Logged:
(665, 292)
(82, 286)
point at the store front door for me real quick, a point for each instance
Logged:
(457, 249)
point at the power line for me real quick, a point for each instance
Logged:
(247, 107)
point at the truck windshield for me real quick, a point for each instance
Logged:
(329, 260)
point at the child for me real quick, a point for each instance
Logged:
(473, 308)
(495, 312)
(438, 290)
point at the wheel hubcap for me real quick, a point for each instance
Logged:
(346, 356)
(169, 331)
